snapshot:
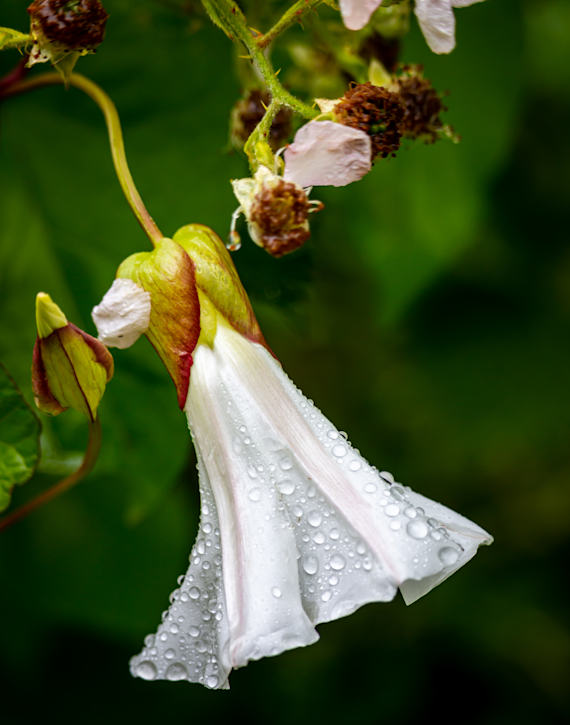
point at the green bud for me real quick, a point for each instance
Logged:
(70, 369)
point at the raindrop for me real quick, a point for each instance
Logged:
(180, 579)
(176, 671)
(254, 494)
(207, 528)
(338, 562)
(252, 471)
(297, 511)
(311, 491)
(410, 512)
(164, 637)
(247, 440)
(184, 597)
(319, 538)
(326, 595)
(310, 564)
(417, 529)
(392, 509)
(200, 646)
(367, 563)
(194, 593)
(286, 464)
(334, 534)
(218, 616)
(242, 429)
(146, 670)
(355, 465)
(286, 487)
(370, 488)
(218, 559)
(174, 629)
(201, 546)
(149, 640)
(360, 548)
(194, 631)
(234, 241)
(435, 535)
(339, 451)
(433, 523)
(333, 580)
(395, 525)
(212, 680)
(448, 555)
(169, 654)
(314, 518)
(333, 435)
(387, 476)
(276, 592)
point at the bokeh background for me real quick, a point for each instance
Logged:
(428, 316)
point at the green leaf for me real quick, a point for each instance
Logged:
(19, 438)
(10, 38)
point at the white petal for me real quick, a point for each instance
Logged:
(437, 22)
(123, 314)
(325, 153)
(356, 13)
(463, 3)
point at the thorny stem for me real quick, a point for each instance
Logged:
(115, 139)
(91, 455)
(292, 16)
(228, 16)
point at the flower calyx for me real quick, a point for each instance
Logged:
(63, 30)
(277, 211)
(70, 369)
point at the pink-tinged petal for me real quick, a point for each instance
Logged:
(356, 13)
(464, 3)
(437, 22)
(325, 153)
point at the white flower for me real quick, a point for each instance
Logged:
(123, 314)
(437, 22)
(325, 153)
(296, 527)
(356, 13)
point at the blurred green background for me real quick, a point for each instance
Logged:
(428, 316)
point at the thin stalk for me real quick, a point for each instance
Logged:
(91, 455)
(115, 139)
(292, 16)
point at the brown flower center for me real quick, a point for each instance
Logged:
(422, 105)
(249, 111)
(280, 210)
(73, 24)
(377, 112)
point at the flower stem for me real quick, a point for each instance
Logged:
(115, 139)
(293, 15)
(91, 455)
(227, 15)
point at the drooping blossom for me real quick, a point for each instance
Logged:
(437, 22)
(296, 527)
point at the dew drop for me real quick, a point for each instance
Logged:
(207, 528)
(370, 488)
(333, 435)
(200, 646)
(360, 548)
(319, 538)
(448, 555)
(410, 512)
(326, 595)
(355, 466)
(146, 670)
(286, 487)
(314, 518)
(387, 476)
(176, 671)
(339, 451)
(276, 592)
(333, 580)
(212, 681)
(254, 494)
(334, 534)
(392, 509)
(310, 564)
(184, 597)
(194, 631)
(194, 593)
(174, 629)
(311, 491)
(247, 440)
(395, 525)
(417, 529)
(435, 535)
(252, 471)
(297, 511)
(286, 464)
(169, 654)
(338, 562)
(164, 637)
(242, 429)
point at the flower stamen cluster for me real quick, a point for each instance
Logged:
(422, 105)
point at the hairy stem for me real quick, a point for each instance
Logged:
(115, 139)
(292, 16)
(91, 455)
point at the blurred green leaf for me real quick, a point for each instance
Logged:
(19, 438)
(10, 38)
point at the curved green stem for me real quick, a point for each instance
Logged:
(292, 16)
(115, 139)
(91, 455)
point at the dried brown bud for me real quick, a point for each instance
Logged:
(422, 105)
(280, 211)
(71, 25)
(249, 111)
(377, 112)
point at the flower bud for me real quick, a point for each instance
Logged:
(70, 369)
(62, 30)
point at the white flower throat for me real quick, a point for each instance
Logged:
(296, 527)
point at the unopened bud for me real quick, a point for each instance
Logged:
(70, 369)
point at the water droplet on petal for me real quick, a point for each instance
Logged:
(448, 555)
(194, 593)
(333, 435)
(339, 451)
(286, 487)
(200, 646)
(387, 476)
(355, 465)
(310, 564)
(234, 241)
(212, 681)
(417, 529)
(314, 518)
(176, 671)
(146, 670)
(410, 512)
(392, 509)
(338, 562)
(169, 654)
(194, 631)
(174, 629)
(319, 538)
(334, 534)
(370, 488)
(286, 464)
(276, 592)
(333, 580)
(326, 595)
(207, 528)
(395, 525)
(297, 511)
(254, 494)
(252, 471)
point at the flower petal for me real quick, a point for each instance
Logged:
(123, 314)
(464, 3)
(325, 153)
(437, 22)
(356, 13)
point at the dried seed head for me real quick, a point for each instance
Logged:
(279, 215)
(377, 112)
(249, 111)
(71, 25)
(422, 105)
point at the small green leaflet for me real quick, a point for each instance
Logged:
(19, 438)
(13, 39)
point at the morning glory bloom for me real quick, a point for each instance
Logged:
(296, 527)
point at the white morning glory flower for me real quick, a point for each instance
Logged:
(296, 527)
